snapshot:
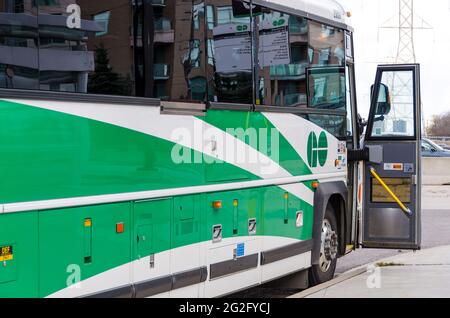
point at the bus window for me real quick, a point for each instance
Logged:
(326, 45)
(18, 45)
(282, 59)
(65, 57)
(229, 60)
(327, 88)
(335, 125)
(349, 105)
(129, 48)
(326, 78)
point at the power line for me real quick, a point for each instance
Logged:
(405, 23)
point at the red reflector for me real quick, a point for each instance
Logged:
(120, 228)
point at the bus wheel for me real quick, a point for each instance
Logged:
(324, 271)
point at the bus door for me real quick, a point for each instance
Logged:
(392, 173)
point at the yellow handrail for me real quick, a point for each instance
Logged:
(392, 194)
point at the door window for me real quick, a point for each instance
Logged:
(394, 115)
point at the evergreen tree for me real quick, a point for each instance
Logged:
(104, 80)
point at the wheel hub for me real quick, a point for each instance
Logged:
(329, 246)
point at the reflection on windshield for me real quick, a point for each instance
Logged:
(327, 88)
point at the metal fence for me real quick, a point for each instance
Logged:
(439, 138)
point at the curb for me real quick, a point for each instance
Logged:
(358, 271)
(348, 275)
(335, 281)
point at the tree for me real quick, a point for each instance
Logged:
(104, 80)
(440, 125)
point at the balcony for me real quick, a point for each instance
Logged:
(163, 24)
(291, 100)
(298, 31)
(161, 71)
(164, 32)
(298, 28)
(288, 71)
(159, 3)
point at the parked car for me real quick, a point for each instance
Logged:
(431, 149)
(445, 146)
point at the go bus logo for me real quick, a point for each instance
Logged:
(317, 149)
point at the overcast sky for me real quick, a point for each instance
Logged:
(374, 46)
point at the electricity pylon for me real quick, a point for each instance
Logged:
(407, 22)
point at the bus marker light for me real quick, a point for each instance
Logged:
(88, 223)
(315, 185)
(120, 228)
(217, 205)
(235, 203)
(286, 195)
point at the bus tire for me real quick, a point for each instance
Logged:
(324, 271)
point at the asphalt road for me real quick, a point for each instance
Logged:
(435, 232)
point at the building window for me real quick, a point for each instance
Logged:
(198, 12)
(210, 17)
(198, 88)
(194, 54)
(103, 20)
(211, 52)
(225, 16)
(44, 3)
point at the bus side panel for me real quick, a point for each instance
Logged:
(282, 210)
(19, 250)
(151, 247)
(78, 243)
(287, 220)
(186, 252)
(233, 258)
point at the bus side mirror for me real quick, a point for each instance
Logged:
(361, 125)
(383, 106)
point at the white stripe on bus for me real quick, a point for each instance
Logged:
(148, 120)
(286, 183)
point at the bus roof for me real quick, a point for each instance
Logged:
(329, 10)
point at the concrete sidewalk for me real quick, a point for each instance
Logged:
(436, 197)
(423, 274)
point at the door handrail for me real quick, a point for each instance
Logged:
(407, 211)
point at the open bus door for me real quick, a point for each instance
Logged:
(392, 174)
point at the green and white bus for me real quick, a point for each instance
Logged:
(162, 148)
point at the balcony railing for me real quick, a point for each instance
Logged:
(161, 71)
(159, 2)
(164, 32)
(163, 24)
(297, 28)
(288, 71)
(297, 25)
(291, 100)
